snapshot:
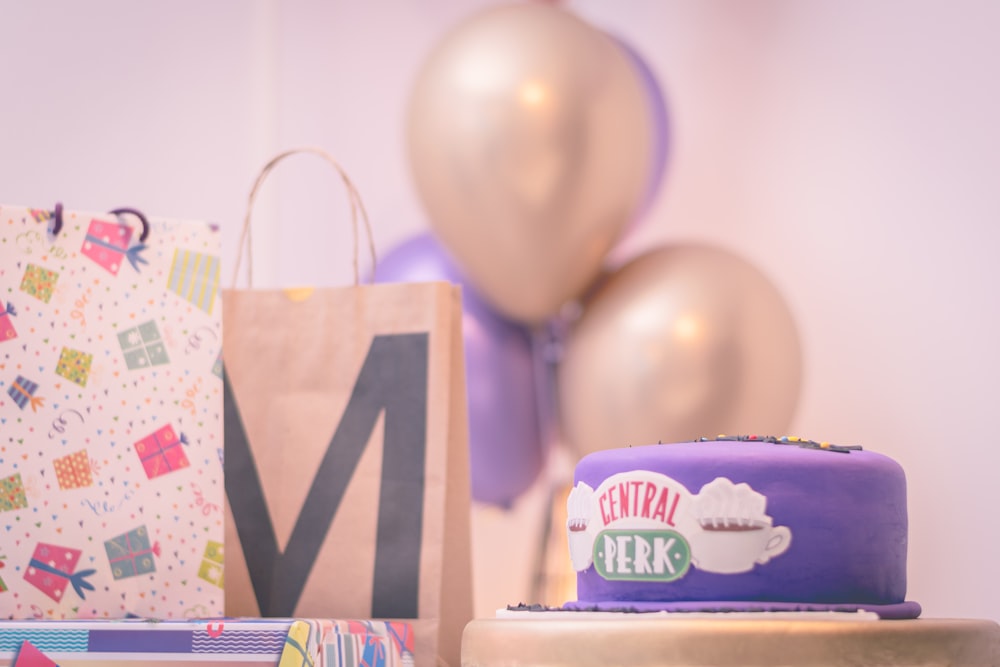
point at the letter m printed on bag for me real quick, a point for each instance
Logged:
(393, 379)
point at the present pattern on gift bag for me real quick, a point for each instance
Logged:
(212, 564)
(3, 586)
(79, 485)
(22, 391)
(195, 277)
(53, 567)
(73, 470)
(162, 452)
(40, 214)
(39, 282)
(7, 313)
(131, 554)
(74, 365)
(143, 346)
(12, 495)
(108, 243)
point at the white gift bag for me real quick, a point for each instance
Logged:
(111, 490)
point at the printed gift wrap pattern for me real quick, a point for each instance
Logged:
(213, 564)
(52, 568)
(73, 470)
(39, 282)
(230, 642)
(143, 347)
(131, 554)
(162, 452)
(7, 330)
(12, 493)
(107, 243)
(111, 490)
(22, 391)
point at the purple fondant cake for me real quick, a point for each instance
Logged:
(740, 524)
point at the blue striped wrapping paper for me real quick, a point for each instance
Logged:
(227, 642)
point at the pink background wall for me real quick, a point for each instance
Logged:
(849, 150)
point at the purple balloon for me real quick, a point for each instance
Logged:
(657, 103)
(505, 443)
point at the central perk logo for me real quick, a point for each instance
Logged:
(641, 555)
(645, 526)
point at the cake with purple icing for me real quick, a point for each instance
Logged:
(738, 552)
(740, 523)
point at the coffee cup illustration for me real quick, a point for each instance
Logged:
(737, 548)
(734, 533)
(578, 507)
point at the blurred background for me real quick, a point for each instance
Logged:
(809, 186)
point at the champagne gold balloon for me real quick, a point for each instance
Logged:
(530, 140)
(682, 342)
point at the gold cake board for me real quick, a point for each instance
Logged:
(724, 642)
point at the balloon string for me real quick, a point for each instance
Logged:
(539, 575)
(546, 347)
(357, 206)
(544, 355)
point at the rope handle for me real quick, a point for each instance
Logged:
(121, 212)
(57, 219)
(352, 192)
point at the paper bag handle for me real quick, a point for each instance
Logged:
(352, 194)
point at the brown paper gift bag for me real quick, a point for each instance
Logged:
(346, 453)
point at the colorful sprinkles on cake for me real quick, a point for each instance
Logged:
(784, 440)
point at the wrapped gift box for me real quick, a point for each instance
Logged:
(107, 243)
(22, 391)
(195, 276)
(39, 282)
(143, 346)
(12, 493)
(204, 643)
(73, 470)
(161, 452)
(7, 313)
